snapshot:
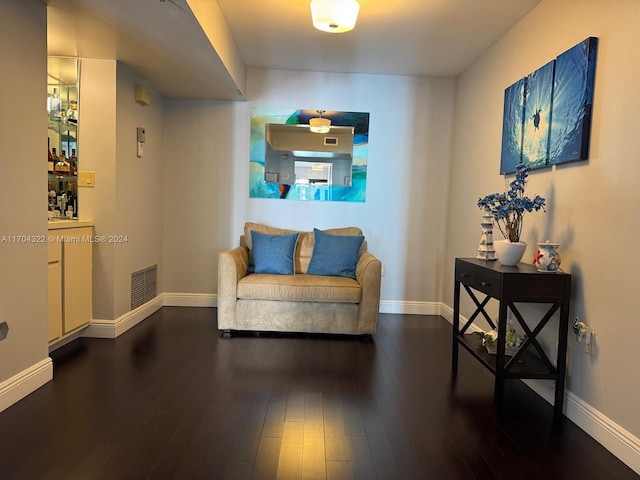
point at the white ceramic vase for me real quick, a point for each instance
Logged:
(509, 253)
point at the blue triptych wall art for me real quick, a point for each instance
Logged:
(547, 114)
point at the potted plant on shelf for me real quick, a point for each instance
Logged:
(512, 341)
(508, 209)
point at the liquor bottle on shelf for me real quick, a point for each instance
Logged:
(67, 164)
(62, 167)
(71, 203)
(52, 202)
(73, 161)
(57, 168)
(61, 199)
(66, 168)
(50, 162)
(54, 156)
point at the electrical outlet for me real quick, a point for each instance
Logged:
(584, 335)
(382, 271)
(589, 338)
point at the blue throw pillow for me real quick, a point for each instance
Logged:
(273, 253)
(334, 255)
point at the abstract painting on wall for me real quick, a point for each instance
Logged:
(288, 160)
(547, 114)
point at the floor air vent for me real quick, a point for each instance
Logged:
(144, 286)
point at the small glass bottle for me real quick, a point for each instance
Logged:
(61, 199)
(71, 201)
(50, 162)
(54, 156)
(73, 161)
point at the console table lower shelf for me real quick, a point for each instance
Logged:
(527, 365)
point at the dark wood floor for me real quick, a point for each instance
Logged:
(170, 399)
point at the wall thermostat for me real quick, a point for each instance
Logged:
(140, 138)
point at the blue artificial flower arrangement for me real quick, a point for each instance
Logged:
(508, 208)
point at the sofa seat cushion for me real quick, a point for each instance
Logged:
(299, 288)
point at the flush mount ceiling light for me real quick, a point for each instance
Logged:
(334, 16)
(319, 124)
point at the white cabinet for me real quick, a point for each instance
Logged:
(70, 266)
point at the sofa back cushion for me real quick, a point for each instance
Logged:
(335, 255)
(273, 253)
(304, 249)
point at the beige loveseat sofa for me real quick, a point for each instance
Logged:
(300, 302)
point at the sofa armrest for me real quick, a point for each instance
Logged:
(232, 266)
(369, 276)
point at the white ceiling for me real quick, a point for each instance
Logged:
(164, 43)
(413, 37)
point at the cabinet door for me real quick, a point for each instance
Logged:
(55, 290)
(77, 279)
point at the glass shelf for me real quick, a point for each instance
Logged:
(63, 115)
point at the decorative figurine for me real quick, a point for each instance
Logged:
(485, 248)
(547, 258)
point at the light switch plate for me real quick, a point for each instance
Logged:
(86, 178)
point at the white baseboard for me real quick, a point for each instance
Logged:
(113, 328)
(65, 341)
(22, 384)
(190, 300)
(410, 308)
(620, 442)
(447, 312)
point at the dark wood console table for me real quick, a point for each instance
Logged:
(522, 283)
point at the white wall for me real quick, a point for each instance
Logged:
(139, 187)
(126, 202)
(97, 153)
(403, 217)
(198, 164)
(23, 283)
(592, 204)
